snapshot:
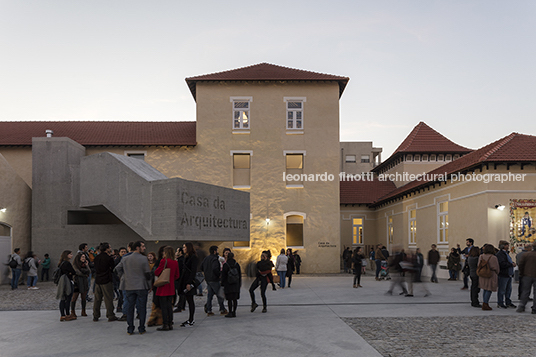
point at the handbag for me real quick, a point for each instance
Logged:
(483, 270)
(164, 277)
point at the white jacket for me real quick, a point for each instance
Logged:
(281, 262)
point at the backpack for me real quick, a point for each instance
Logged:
(483, 270)
(233, 277)
(26, 264)
(56, 275)
(13, 263)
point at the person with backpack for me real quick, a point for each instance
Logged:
(30, 266)
(211, 268)
(231, 280)
(15, 263)
(487, 271)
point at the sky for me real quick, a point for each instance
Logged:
(466, 68)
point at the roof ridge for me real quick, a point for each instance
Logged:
(499, 145)
(412, 136)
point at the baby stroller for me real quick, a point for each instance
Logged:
(384, 272)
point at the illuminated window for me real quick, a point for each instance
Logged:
(413, 226)
(443, 222)
(294, 169)
(357, 230)
(294, 231)
(241, 170)
(390, 230)
(241, 244)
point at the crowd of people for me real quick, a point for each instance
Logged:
(123, 278)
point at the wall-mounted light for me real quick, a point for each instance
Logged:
(267, 220)
(499, 207)
(3, 210)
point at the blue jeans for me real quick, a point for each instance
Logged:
(15, 273)
(486, 295)
(137, 298)
(213, 287)
(434, 268)
(505, 291)
(282, 275)
(32, 281)
(378, 267)
(453, 274)
(126, 304)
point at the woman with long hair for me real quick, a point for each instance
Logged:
(165, 293)
(472, 262)
(65, 285)
(357, 259)
(453, 264)
(155, 319)
(488, 284)
(81, 287)
(151, 257)
(231, 279)
(281, 267)
(187, 285)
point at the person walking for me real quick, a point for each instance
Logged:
(488, 284)
(32, 271)
(291, 264)
(64, 291)
(104, 290)
(188, 282)
(231, 280)
(81, 287)
(472, 262)
(281, 267)
(433, 261)
(45, 267)
(379, 257)
(505, 276)
(357, 260)
(135, 276)
(263, 268)
(527, 274)
(17, 270)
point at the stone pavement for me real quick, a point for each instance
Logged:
(319, 316)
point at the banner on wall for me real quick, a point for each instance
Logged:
(522, 215)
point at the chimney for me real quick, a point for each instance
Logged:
(49, 133)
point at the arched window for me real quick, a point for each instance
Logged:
(294, 231)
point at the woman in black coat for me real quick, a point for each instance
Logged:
(231, 288)
(188, 285)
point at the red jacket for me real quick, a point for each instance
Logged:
(168, 289)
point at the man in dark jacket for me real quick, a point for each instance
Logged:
(506, 273)
(433, 260)
(212, 270)
(104, 267)
(527, 273)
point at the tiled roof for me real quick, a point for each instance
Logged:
(424, 139)
(266, 72)
(93, 133)
(514, 148)
(364, 192)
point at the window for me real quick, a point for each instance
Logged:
(294, 231)
(425, 158)
(409, 157)
(136, 154)
(443, 222)
(448, 157)
(241, 117)
(357, 231)
(294, 112)
(390, 230)
(440, 157)
(432, 157)
(244, 244)
(365, 158)
(413, 226)
(241, 169)
(294, 169)
(417, 157)
(350, 158)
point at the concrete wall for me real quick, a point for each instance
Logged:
(359, 148)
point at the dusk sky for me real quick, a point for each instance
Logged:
(466, 68)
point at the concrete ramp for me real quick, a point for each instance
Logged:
(159, 208)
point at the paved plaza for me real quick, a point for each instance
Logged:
(319, 316)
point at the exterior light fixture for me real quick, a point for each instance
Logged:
(267, 220)
(499, 207)
(3, 210)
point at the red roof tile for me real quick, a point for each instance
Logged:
(424, 139)
(514, 148)
(266, 72)
(93, 133)
(364, 192)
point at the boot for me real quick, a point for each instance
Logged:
(163, 328)
(485, 306)
(83, 312)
